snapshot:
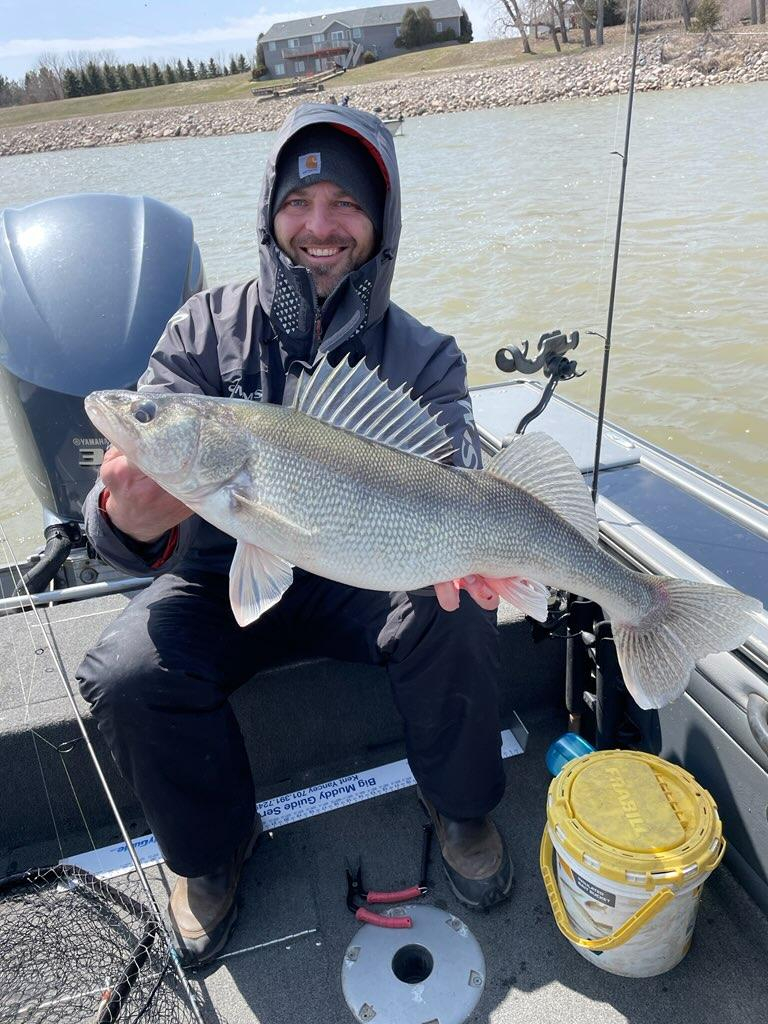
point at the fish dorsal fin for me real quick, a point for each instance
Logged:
(540, 465)
(355, 398)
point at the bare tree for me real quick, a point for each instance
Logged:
(511, 17)
(599, 23)
(587, 22)
(51, 67)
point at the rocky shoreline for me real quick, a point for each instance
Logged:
(668, 61)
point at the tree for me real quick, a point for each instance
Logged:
(72, 84)
(181, 72)
(123, 81)
(242, 63)
(260, 61)
(146, 76)
(155, 74)
(233, 70)
(169, 75)
(213, 69)
(202, 70)
(465, 28)
(708, 14)
(92, 79)
(110, 78)
(191, 73)
(135, 77)
(417, 27)
(513, 18)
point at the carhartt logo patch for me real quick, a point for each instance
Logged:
(309, 163)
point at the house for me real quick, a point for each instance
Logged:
(309, 45)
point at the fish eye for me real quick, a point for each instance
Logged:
(145, 411)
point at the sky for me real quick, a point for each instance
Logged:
(155, 29)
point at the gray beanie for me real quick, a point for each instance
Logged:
(325, 152)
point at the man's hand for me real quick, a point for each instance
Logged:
(476, 586)
(527, 595)
(137, 505)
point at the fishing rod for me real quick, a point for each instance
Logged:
(614, 272)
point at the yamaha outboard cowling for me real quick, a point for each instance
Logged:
(87, 285)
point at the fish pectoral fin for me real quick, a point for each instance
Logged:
(263, 512)
(257, 580)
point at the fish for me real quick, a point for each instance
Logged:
(354, 482)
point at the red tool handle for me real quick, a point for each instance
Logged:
(368, 917)
(395, 897)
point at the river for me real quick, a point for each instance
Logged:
(509, 218)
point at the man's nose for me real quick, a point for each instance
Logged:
(321, 220)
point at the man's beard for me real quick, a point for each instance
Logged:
(326, 278)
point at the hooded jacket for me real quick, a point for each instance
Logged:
(253, 340)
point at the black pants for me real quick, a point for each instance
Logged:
(159, 678)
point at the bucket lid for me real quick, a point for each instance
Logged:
(634, 818)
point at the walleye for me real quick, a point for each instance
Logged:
(351, 483)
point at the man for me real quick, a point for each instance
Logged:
(160, 677)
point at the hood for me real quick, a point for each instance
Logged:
(286, 291)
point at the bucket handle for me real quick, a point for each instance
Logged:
(622, 934)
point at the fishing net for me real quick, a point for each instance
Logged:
(76, 950)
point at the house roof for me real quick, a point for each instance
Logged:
(360, 17)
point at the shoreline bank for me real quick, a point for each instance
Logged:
(666, 61)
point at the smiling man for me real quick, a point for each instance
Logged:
(327, 204)
(160, 678)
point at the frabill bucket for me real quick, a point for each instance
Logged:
(630, 840)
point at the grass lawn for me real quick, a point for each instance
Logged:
(491, 54)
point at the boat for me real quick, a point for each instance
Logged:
(67, 327)
(395, 124)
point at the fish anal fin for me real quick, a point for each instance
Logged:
(257, 580)
(538, 464)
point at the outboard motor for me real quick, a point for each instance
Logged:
(87, 285)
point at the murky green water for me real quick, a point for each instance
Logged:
(509, 218)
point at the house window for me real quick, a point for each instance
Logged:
(438, 26)
(357, 33)
(318, 38)
(279, 69)
(293, 44)
(272, 44)
(318, 64)
(300, 66)
(337, 35)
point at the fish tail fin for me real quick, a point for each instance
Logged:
(687, 621)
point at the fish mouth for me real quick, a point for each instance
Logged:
(106, 410)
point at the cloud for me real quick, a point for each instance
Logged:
(232, 29)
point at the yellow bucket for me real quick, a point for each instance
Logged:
(630, 840)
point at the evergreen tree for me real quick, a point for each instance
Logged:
(242, 63)
(708, 14)
(146, 77)
(110, 78)
(465, 28)
(181, 72)
(191, 73)
(92, 79)
(233, 66)
(169, 75)
(202, 70)
(155, 74)
(134, 77)
(213, 69)
(123, 81)
(72, 84)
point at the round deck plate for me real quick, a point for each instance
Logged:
(432, 973)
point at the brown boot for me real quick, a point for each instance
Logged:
(203, 910)
(475, 858)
